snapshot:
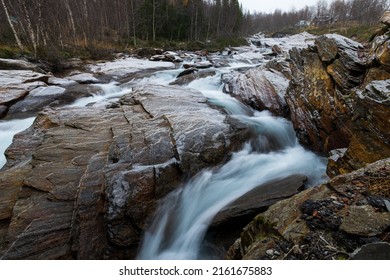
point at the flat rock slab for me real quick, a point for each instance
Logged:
(83, 78)
(373, 251)
(87, 179)
(18, 64)
(124, 67)
(261, 197)
(16, 84)
(365, 221)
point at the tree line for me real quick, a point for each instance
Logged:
(36, 24)
(323, 12)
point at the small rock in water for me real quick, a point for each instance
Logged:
(3, 111)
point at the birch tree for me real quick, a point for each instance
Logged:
(18, 41)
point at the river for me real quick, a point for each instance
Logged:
(183, 217)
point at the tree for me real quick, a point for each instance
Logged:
(18, 41)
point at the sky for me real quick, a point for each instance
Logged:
(271, 5)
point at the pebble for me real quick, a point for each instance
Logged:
(270, 252)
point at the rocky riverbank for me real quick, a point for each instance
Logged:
(338, 97)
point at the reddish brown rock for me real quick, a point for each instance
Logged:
(326, 222)
(318, 110)
(370, 141)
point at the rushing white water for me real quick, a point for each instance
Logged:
(7, 131)
(183, 217)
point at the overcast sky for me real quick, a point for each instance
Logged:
(271, 5)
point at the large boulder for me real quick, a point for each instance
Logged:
(330, 221)
(261, 89)
(318, 110)
(370, 127)
(344, 58)
(385, 19)
(380, 51)
(259, 198)
(82, 183)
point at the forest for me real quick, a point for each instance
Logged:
(41, 23)
(38, 26)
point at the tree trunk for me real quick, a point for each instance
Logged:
(71, 21)
(154, 21)
(133, 19)
(30, 29)
(20, 45)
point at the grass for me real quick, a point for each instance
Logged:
(362, 33)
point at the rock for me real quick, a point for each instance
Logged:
(382, 54)
(270, 252)
(16, 84)
(335, 215)
(370, 141)
(202, 64)
(36, 100)
(83, 78)
(373, 251)
(54, 81)
(84, 181)
(167, 56)
(122, 68)
(319, 112)
(72, 93)
(260, 89)
(192, 76)
(19, 64)
(260, 198)
(375, 74)
(331, 46)
(147, 52)
(343, 58)
(385, 19)
(276, 49)
(281, 66)
(72, 63)
(187, 72)
(365, 221)
(3, 111)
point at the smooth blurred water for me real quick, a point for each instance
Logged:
(183, 217)
(8, 129)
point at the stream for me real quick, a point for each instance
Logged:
(183, 217)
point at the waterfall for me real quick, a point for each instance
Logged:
(183, 217)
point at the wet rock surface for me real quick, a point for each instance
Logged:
(338, 99)
(327, 222)
(261, 89)
(373, 251)
(86, 180)
(260, 198)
